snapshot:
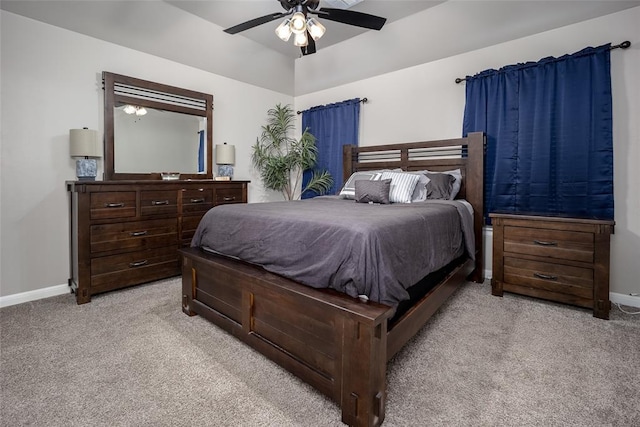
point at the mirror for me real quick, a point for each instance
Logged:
(175, 135)
(152, 128)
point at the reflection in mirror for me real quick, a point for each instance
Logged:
(158, 141)
(150, 128)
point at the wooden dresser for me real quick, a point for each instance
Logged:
(125, 233)
(559, 259)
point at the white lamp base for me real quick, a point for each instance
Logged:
(225, 170)
(86, 169)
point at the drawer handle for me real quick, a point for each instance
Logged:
(543, 243)
(138, 263)
(159, 202)
(229, 198)
(197, 200)
(138, 233)
(114, 205)
(545, 276)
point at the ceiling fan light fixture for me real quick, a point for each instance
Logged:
(307, 29)
(134, 109)
(298, 23)
(129, 109)
(284, 30)
(301, 40)
(316, 29)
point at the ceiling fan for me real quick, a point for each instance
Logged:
(305, 28)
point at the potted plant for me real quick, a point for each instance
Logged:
(281, 159)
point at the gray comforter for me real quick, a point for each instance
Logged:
(355, 248)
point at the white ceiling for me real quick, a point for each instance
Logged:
(229, 13)
(191, 32)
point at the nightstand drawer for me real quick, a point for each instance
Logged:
(549, 276)
(113, 204)
(158, 203)
(559, 244)
(128, 236)
(228, 195)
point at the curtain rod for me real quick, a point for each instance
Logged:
(363, 100)
(624, 45)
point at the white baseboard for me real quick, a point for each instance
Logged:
(51, 291)
(625, 299)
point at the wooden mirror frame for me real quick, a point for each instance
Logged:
(113, 97)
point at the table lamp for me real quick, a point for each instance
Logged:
(225, 158)
(83, 143)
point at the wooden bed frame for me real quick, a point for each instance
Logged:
(337, 344)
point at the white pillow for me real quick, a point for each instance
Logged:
(457, 174)
(402, 186)
(349, 189)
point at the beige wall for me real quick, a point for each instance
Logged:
(51, 82)
(423, 102)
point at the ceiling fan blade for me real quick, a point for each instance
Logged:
(351, 17)
(310, 47)
(254, 22)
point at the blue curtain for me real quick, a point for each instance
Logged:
(549, 137)
(201, 152)
(333, 125)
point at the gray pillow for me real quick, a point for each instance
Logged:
(348, 190)
(457, 174)
(373, 191)
(439, 186)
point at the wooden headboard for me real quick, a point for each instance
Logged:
(466, 154)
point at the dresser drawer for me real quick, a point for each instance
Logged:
(548, 276)
(197, 200)
(113, 204)
(229, 195)
(162, 202)
(558, 244)
(189, 226)
(130, 236)
(117, 271)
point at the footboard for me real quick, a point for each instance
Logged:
(335, 343)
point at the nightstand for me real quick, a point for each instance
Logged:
(556, 258)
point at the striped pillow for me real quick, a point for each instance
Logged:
(349, 189)
(402, 186)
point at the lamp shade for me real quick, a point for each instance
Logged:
(315, 28)
(298, 23)
(225, 154)
(301, 40)
(283, 31)
(84, 143)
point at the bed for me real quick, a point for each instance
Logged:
(330, 335)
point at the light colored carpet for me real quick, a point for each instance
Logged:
(132, 358)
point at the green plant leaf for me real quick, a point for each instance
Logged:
(280, 159)
(320, 182)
